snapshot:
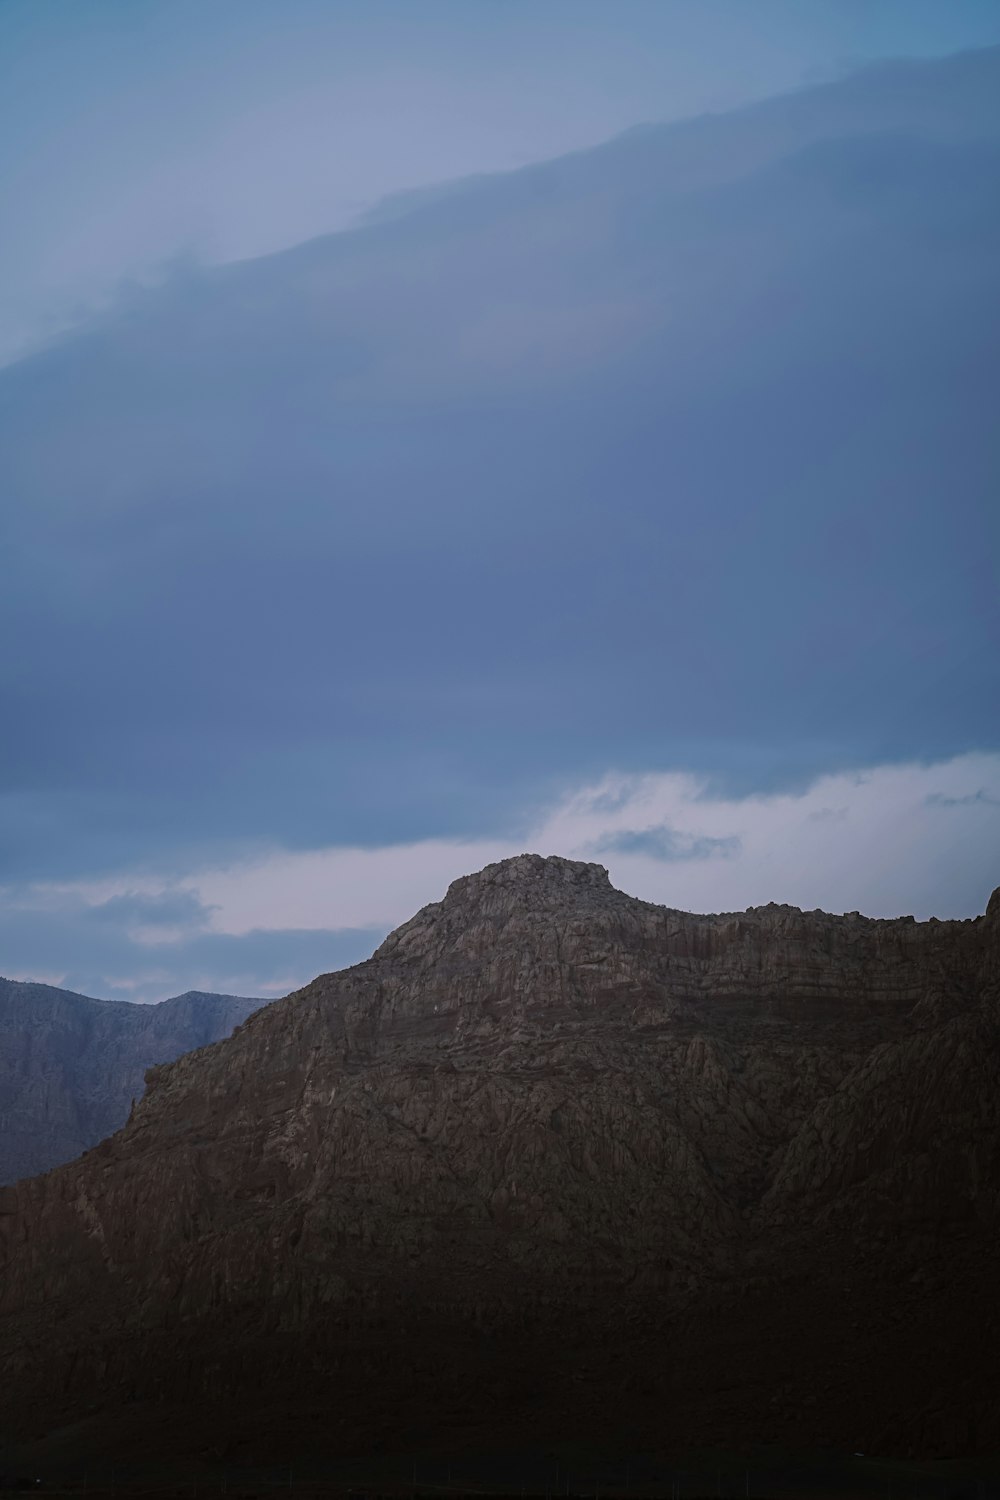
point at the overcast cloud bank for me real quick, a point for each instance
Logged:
(134, 136)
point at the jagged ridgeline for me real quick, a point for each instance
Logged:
(554, 1161)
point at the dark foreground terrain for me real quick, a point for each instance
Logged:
(554, 1167)
(570, 1473)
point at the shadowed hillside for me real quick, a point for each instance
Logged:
(553, 1163)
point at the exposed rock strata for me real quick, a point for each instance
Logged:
(70, 1066)
(553, 1158)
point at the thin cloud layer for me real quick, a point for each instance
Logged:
(662, 842)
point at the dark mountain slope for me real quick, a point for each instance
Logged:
(71, 1066)
(554, 1162)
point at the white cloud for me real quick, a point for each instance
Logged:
(339, 887)
(891, 840)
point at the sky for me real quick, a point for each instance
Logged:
(414, 453)
(139, 133)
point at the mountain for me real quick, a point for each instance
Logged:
(554, 1163)
(70, 1067)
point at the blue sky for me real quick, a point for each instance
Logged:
(633, 497)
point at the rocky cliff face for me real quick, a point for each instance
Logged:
(553, 1159)
(71, 1066)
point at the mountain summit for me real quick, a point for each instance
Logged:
(554, 1161)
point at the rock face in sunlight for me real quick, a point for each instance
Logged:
(71, 1066)
(553, 1161)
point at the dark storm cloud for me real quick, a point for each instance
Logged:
(667, 844)
(981, 798)
(168, 909)
(680, 452)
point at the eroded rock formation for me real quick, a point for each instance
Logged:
(552, 1159)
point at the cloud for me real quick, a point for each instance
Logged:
(970, 799)
(237, 158)
(666, 843)
(661, 454)
(155, 916)
(861, 839)
(830, 815)
(906, 838)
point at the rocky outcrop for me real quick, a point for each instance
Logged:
(553, 1158)
(70, 1066)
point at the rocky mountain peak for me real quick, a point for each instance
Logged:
(527, 886)
(534, 876)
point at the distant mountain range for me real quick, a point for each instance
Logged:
(70, 1066)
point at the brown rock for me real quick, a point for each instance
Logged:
(548, 1130)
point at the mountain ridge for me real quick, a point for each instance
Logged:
(548, 1124)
